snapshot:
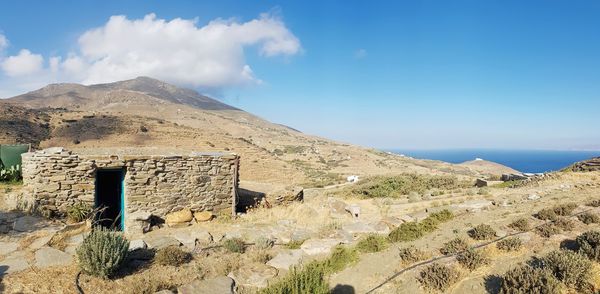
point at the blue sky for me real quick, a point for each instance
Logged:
(395, 74)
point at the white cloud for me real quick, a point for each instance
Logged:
(360, 53)
(22, 64)
(3, 42)
(178, 51)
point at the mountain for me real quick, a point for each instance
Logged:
(144, 115)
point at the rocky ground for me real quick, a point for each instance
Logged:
(37, 255)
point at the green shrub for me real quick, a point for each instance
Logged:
(79, 212)
(428, 225)
(340, 258)
(567, 266)
(406, 232)
(308, 279)
(102, 252)
(441, 216)
(546, 214)
(547, 230)
(589, 244)
(521, 224)
(454, 246)
(525, 279)
(403, 184)
(372, 243)
(564, 223)
(564, 209)
(589, 218)
(510, 244)
(411, 254)
(472, 259)
(438, 277)
(10, 174)
(594, 203)
(173, 256)
(294, 244)
(264, 243)
(482, 232)
(236, 245)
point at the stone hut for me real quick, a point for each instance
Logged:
(124, 185)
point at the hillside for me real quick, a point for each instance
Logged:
(144, 112)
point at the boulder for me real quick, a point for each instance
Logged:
(203, 216)
(160, 241)
(336, 206)
(353, 209)
(189, 237)
(255, 275)
(137, 244)
(288, 195)
(319, 246)
(218, 285)
(179, 217)
(286, 259)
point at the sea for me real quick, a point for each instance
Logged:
(527, 161)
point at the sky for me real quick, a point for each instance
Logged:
(384, 74)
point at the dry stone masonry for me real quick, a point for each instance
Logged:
(56, 178)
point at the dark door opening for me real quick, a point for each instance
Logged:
(109, 197)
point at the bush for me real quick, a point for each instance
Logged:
(472, 259)
(10, 174)
(236, 245)
(260, 255)
(411, 254)
(547, 230)
(372, 243)
(406, 232)
(454, 246)
(79, 212)
(438, 277)
(525, 279)
(546, 214)
(589, 218)
(173, 256)
(403, 184)
(510, 244)
(441, 216)
(567, 266)
(589, 244)
(564, 209)
(565, 224)
(308, 279)
(339, 259)
(264, 243)
(594, 203)
(482, 232)
(294, 244)
(102, 252)
(521, 224)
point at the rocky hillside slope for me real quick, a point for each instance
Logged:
(144, 112)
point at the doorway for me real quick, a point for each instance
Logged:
(109, 198)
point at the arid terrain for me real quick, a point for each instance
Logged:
(356, 233)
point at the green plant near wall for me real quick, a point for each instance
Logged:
(79, 212)
(10, 174)
(102, 252)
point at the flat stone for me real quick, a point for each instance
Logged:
(47, 256)
(319, 246)
(40, 242)
(137, 244)
(140, 216)
(533, 197)
(8, 247)
(76, 239)
(286, 259)
(253, 275)
(13, 263)
(203, 216)
(336, 206)
(159, 242)
(26, 223)
(218, 285)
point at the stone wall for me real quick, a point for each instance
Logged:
(55, 179)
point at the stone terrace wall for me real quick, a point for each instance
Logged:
(56, 178)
